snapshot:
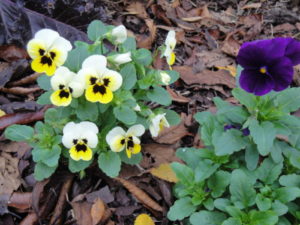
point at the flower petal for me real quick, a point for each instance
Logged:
(293, 51)
(74, 154)
(62, 76)
(93, 94)
(62, 44)
(117, 143)
(91, 137)
(136, 130)
(61, 98)
(119, 34)
(136, 149)
(113, 133)
(59, 56)
(171, 39)
(39, 67)
(84, 75)
(89, 126)
(254, 82)
(86, 155)
(113, 78)
(96, 62)
(47, 35)
(77, 87)
(35, 47)
(282, 72)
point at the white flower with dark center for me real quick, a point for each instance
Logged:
(48, 51)
(165, 78)
(119, 59)
(119, 34)
(66, 85)
(118, 139)
(158, 123)
(79, 138)
(100, 82)
(170, 44)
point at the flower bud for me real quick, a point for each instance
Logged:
(165, 78)
(119, 34)
(119, 59)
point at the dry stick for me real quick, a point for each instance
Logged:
(56, 217)
(30, 219)
(26, 80)
(19, 90)
(140, 195)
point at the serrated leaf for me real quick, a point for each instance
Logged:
(259, 218)
(184, 174)
(164, 172)
(77, 166)
(87, 111)
(287, 194)
(291, 180)
(247, 99)
(263, 203)
(76, 57)
(142, 56)
(219, 182)
(251, 156)
(44, 82)
(44, 99)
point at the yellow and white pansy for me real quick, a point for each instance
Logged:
(119, 34)
(48, 51)
(170, 44)
(66, 85)
(80, 138)
(100, 81)
(165, 78)
(118, 139)
(158, 123)
(119, 59)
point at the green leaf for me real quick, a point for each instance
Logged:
(125, 114)
(229, 142)
(96, 30)
(241, 189)
(207, 218)
(110, 163)
(77, 166)
(128, 73)
(208, 126)
(260, 218)
(276, 153)
(172, 117)
(251, 156)
(19, 132)
(44, 99)
(268, 172)
(87, 110)
(221, 204)
(191, 156)
(128, 45)
(182, 208)
(183, 173)
(204, 170)
(287, 194)
(234, 212)
(245, 98)
(49, 157)
(159, 95)
(291, 180)
(135, 158)
(279, 208)
(76, 57)
(288, 100)
(232, 221)
(218, 183)
(208, 204)
(42, 171)
(173, 74)
(142, 56)
(263, 203)
(263, 135)
(283, 221)
(44, 82)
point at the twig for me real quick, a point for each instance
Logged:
(26, 80)
(19, 90)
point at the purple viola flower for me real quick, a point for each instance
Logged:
(245, 131)
(268, 64)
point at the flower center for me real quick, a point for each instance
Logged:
(263, 70)
(80, 145)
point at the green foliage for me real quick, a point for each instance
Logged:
(128, 73)
(96, 30)
(110, 163)
(19, 133)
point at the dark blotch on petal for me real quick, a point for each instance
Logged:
(64, 94)
(93, 80)
(81, 147)
(71, 90)
(106, 82)
(99, 89)
(41, 52)
(46, 60)
(52, 55)
(75, 141)
(130, 144)
(61, 86)
(122, 141)
(84, 141)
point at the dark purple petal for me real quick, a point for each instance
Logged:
(282, 72)
(254, 82)
(246, 132)
(293, 51)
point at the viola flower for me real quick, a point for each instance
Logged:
(80, 138)
(170, 44)
(245, 131)
(119, 140)
(268, 64)
(165, 78)
(100, 81)
(158, 123)
(65, 85)
(48, 51)
(119, 34)
(119, 59)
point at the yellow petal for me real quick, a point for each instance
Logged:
(37, 66)
(136, 149)
(58, 57)
(86, 155)
(2, 113)
(171, 58)
(35, 47)
(165, 172)
(74, 154)
(93, 95)
(128, 152)
(143, 219)
(57, 98)
(116, 144)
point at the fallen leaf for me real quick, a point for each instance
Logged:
(252, 6)
(97, 211)
(82, 212)
(214, 58)
(144, 41)
(104, 194)
(126, 210)
(231, 46)
(137, 8)
(176, 97)
(230, 69)
(20, 200)
(19, 147)
(208, 77)
(143, 219)
(164, 172)
(285, 27)
(12, 53)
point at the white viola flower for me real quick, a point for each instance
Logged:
(170, 44)
(118, 139)
(80, 138)
(100, 82)
(119, 59)
(66, 85)
(158, 123)
(119, 34)
(48, 51)
(137, 108)
(165, 78)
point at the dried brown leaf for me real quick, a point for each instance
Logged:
(20, 200)
(140, 195)
(137, 8)
(11, 53)
(144, 41)
(30, 219)
(97, 211)
(19, 147)
(252, 6)
(164, 172)
(82, 212)
(176, 97)
(231, 46)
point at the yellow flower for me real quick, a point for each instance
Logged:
(143, 219)
(119, 140)
(170, 44)
(79, 139)
(48, 50)
(100, 82)
(158, 123)
(65, 85)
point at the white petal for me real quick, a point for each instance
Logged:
(119, 33)
(136, 130)
(89, 126)
(116, 145)
(155, 123)
(168, 51)
(96, 62)
(113, 133)
(165, 122)
(77, 87)
(33, 47)
(136, 140)
(47, 35)
(91, 137)
(71, 131)
(122, 58)
(137, 108)
(115, 79)
(69, 127)
(67, 140)
(84, 73)
(62, 76)
(171, 39)
(154, 130)
(165, 78)
(62, 44)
